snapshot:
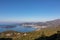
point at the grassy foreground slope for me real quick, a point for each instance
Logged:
(30, 35)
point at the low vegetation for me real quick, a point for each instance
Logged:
(29, 35)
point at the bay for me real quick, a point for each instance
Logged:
(19, 28)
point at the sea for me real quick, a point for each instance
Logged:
(18, 28)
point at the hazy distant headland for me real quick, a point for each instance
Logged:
(52, 23)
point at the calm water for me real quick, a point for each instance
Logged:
(19, 29)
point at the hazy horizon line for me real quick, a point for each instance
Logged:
(25, 21)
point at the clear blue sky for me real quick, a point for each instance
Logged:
(29, 10)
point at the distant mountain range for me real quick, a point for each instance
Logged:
(53, 23)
